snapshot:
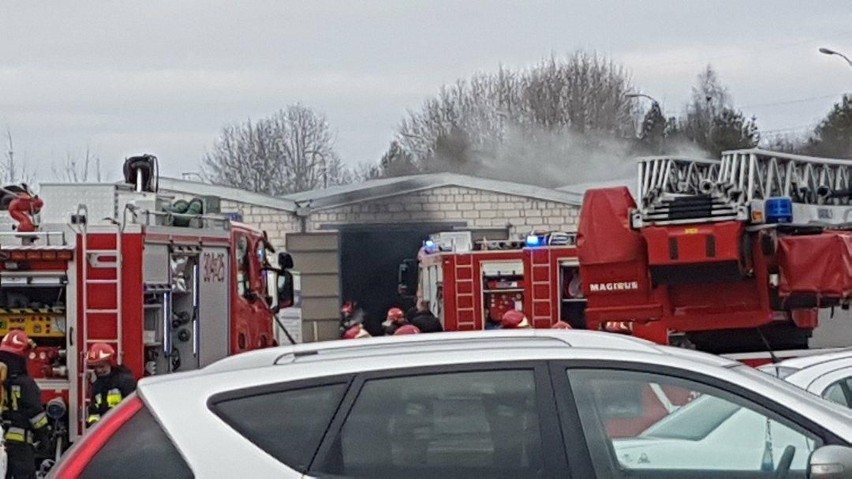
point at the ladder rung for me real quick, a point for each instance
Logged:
(101, 281)
(102, 251)
(101, 340)
(101, 311)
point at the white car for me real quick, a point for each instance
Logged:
(827, 375)
(510, 404)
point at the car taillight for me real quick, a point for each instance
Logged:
(78, 457)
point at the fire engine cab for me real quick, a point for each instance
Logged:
(471, 283)
(171, 285)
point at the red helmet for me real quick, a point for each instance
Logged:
(561, 325)
(356, 332)
(407, 329)
(395, 315)
(347, 308)
(514, 319)
(100, 354)
(16, 342)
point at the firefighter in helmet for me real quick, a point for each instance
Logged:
(406, 329)
(356, 332)
(514, 319)
(395, 320)
(24, 418)
(113, 382)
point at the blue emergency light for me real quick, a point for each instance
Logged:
(533, 240)
(779, 209)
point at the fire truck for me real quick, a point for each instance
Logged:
(170, 286)
(728, 256)
(469, 282)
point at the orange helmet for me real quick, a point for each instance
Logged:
(356, 332)
(561, 325)
(100, 354)
(16, 342)
(407, 329)
(514, 319)
(395, 315)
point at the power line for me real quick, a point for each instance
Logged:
(792, 102)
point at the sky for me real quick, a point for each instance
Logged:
(163, 77)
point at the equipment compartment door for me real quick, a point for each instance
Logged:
(214, 308)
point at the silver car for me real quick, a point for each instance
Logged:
(496, 404)
(828, 375)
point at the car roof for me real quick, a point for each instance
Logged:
(815, 359)
(470, 343)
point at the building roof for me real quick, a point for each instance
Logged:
(376, 189)
(579, 189)
(227, 193)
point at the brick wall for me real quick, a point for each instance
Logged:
(477, 208)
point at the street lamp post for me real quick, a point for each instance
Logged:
(829, 51)
(642, 95)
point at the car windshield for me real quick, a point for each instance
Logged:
(693, 421)
(794, 390)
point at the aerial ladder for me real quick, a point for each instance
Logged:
(726, 255)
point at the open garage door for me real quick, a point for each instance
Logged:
(316, 258)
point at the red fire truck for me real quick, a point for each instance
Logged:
(729, 256)
(732, 256)
(169, 290)
(467, 282)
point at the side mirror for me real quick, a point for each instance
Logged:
(285, 261)
(285, 289)
(407, 277)
(830, 462)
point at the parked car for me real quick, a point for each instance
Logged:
(828, 375)
(497, 404)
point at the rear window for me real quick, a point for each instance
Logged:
(140, 449)
(288, 425)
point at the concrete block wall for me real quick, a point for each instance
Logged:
(477, 208)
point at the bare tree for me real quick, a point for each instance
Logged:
(11, 172)
(563, 120)
(79, 168)
(288, 152)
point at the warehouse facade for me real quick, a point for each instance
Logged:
(348, 241)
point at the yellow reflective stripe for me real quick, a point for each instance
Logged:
(16, 434)
(113, 398)
(39, 421)
(93, 418)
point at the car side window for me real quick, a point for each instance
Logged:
(448, 425)
(649, 424)
(288, 425)
(140, 448)
(840, 392)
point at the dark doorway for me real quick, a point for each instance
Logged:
(369, 261)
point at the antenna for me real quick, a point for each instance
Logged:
(775, 359)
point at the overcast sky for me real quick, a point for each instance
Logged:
(164, 76)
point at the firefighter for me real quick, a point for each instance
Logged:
(350, 315)
(395, 319)
(24, 418)
(514, 319)
(114, 382)
(425, 321)
(356, 332)
(406, 329)
(491, 322)
(561, 325)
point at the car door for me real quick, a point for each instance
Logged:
(636, 422)
(465, 421)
